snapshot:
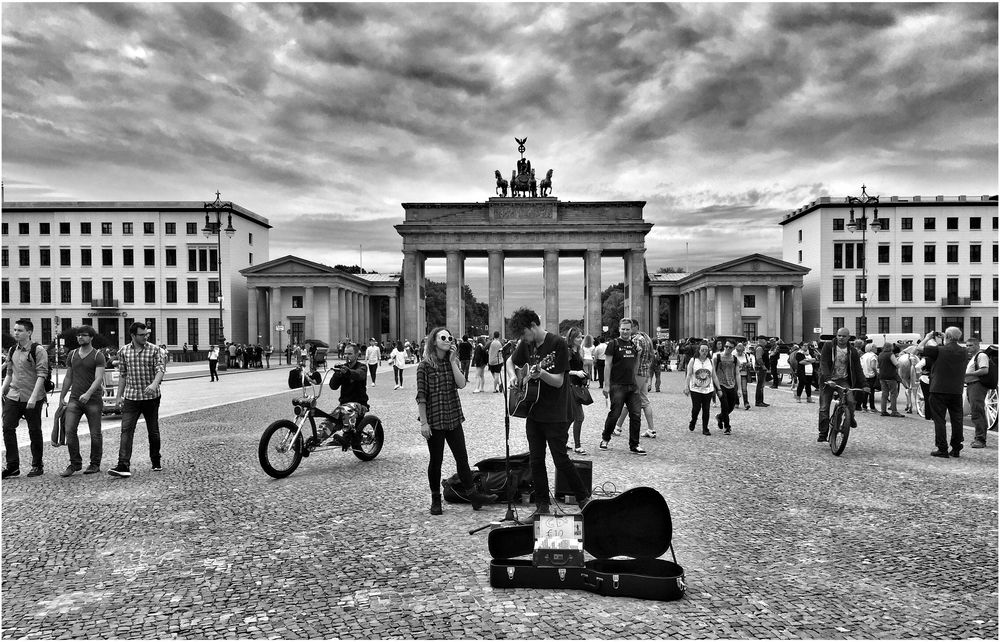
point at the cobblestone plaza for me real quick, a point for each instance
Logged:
(779, 539)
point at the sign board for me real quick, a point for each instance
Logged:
(279, 328)
(604, 328)
(817, 330)
(662, 334)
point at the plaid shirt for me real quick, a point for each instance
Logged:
(645, 350)
(437, 390)
(138, 368)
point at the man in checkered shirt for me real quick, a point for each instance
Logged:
(141, 368)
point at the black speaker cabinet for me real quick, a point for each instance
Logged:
(585, 469)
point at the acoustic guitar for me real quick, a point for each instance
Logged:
(524, 392)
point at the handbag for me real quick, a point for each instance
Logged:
(582, 394)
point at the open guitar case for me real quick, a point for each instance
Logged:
(635, 526)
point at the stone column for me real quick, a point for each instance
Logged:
(592, 287)
(276, 315)
(331, 307)
(737, 310)
(350, 329)
(797, 313)
(772, 311)
(550, 274)
(422, 301)
(411, 294)
(252, 315)
(309, 305)
(496, 292)
(635, 276)
(654, 321)
(369, 317)
(454, 306)
(711, 312)
(393, 318)
(341, 315)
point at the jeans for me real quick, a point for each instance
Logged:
(805, 382)
(555, 436)
(12, 413)
(74, 411)
(730, 399)
(868, 399)
(465, 363)
(656, 376)
(826, 398)
(372, 367)
(397, 375)
(213, 369)
(977, 401)
(743, 389)
(759, 397)
(946, 405)
(577, 419)
(599, 367)
(150, 411)
(623, 396)
(701, 402)
(455, 439)
(890, 391)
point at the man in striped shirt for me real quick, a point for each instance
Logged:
(141, 368)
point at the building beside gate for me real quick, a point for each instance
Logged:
(107, 264)
(932, 264)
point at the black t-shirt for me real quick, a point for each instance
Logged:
(464, 351)
(576, 363)
(552, 402)
(624, 358)
(948, 369)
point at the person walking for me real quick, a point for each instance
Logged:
(439, 378)
(888, 377)
(701, 384)
(655, 366)
(869, 364)
(213, 363)
(140, 370)
(600, 351)
(727, 374)
(479, 360)
(23, 396)
(398, 358)
(761, 360)
(83, 382)
(840, 363)
(465, 355)
(372, 358)
(577, 377)
(621, 362)
(495, 356)
(805, 362)
(947, 380)
(743, 359)
(976, 388)
(644, 366)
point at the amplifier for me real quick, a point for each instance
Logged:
(584, 468)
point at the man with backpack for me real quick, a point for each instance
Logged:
(84, 379)
(24, 392)
(978, 382)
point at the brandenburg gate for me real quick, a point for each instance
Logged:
(522, 227)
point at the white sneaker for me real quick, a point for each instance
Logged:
(396, 387)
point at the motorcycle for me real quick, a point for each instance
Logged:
(350, 425)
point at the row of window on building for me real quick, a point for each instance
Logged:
(906, 289)
(199, 259)
(885, 325)
(171, 338)
(108, 296)
(851, 254)
(107, 228)
(951, 223)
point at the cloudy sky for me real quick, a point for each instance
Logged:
(326, 117)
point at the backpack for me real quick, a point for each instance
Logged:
(49, 384)
(990, 378)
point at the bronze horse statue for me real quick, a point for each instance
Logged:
(546, 184)
(501, 184)
(523, 185)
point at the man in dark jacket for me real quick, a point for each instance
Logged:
(351, 377)
(840, 363)
(947, 380)
(888, 376)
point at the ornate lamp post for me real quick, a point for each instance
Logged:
(215, 227)
(862, 223)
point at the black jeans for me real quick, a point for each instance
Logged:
(805, 382)
(213, 369)
(372, 367)
(150, 411)
(623, 396)
(397, 375)
(12, 413)
(599, 367)
(701, 401)
(759, 396)
(455, 438)
(577, 420)
(74, 411)
(947, 405)
(555, 436)
(730, 399)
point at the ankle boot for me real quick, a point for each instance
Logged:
(477, 499)
(436, 504)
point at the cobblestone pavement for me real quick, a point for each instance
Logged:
(779, 538)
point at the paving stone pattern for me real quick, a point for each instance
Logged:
(779, 538)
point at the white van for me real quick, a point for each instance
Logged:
(902, 338)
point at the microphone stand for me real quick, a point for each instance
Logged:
(509, 516)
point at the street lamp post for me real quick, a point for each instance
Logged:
(864, 201)
(216, 228)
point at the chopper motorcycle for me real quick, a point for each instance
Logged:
(349, 426)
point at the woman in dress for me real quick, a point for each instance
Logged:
(701, 385)
(439, 378)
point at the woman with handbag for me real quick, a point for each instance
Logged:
(578, 386)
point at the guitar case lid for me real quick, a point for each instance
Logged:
(634, 524)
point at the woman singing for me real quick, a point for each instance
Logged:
(577, 377)
(700, 385)
(439, 378)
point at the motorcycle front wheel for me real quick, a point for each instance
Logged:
(279, 455)
(368, 438)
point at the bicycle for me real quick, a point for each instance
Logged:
(841, 416)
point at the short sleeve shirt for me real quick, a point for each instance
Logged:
(26, 371)
(624, 358)
(948, 369)
(726, 370)
(840, 356)
(701, 376)
(552, 402)
(85, 371)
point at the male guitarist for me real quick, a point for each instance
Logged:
(548, 420)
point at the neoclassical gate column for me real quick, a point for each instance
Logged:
(455, 280)
(341, 315)
(772, 311)
(495, 264)
(797, 313)
(710, 312)
(333, 316)
(550, 274)
(366, 311)
(592, 281)
(252, 313)
(737, 320)
(276, 317)
(393, 318)
(635, 276)
(309, 303)
(412, 282)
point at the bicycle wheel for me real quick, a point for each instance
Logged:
(840, 429)
(368, 443)
(278, 455)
